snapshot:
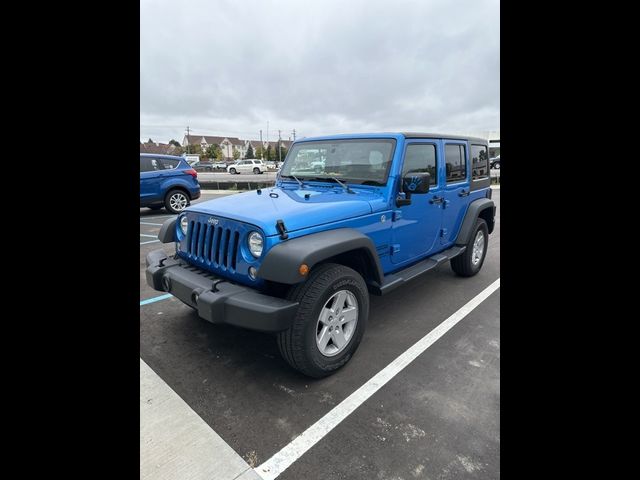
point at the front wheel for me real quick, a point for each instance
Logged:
(232, 171)
(256, 171)
(176, 201)
(330, 321)
(496, 166)
(468, 263)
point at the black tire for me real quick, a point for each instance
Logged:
(156, 207)
(463, 264)
(232, 171)
(496, 165)
(297, 345)
(170, 194)
(256, 170)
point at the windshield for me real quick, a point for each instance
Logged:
(353, 161)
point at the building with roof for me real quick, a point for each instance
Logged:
(230, 144)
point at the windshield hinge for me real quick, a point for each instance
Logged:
(281, 229)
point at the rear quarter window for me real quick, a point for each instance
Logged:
(479, 162)
(169, 163)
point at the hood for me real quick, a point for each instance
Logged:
(324, 205)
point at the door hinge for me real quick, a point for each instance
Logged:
(443, 232)
(397, 215)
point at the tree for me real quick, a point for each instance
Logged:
(269, 155)
(150, 141)
(259, 152)
(177, 150)
(236, 154)
(174, 143)
(213, 151)
(284, 152)
(194, 150)
(249, 152)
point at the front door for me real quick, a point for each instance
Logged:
(246, 166)
(456, 189)
(416, 227)
(149, 180)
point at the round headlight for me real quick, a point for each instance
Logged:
(255, 244)
(184, 224)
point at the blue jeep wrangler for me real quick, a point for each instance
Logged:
(349, 216)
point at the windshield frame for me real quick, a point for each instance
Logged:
(314, 177)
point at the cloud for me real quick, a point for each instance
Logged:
(321, 67)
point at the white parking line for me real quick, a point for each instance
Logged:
(150, 241)
(150, 236)
(282, 460)
(155, 224)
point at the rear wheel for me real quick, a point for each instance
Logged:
(256, 170)
(232, 171)
(470, 262)
(330, 321)
(176, 201)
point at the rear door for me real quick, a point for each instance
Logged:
(456, 189)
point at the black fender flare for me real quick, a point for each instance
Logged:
(167, 233)
(282, 262)
(473, 212)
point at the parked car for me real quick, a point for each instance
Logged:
(167, 181)
(204, 166)
(495, 162)
(219, 165)
(247, 166)
(301, 258)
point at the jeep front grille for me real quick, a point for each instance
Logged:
(213, 245)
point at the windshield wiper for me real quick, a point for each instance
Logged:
(343, 185)
(294, 177)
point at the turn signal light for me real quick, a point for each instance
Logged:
(304, 269)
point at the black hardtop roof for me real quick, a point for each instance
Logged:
(440, 135)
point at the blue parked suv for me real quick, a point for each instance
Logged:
(349, 216)
(167, 181)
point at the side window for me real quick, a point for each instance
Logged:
(148, 164)
(479, 162)
(456, 163)
(421, 158)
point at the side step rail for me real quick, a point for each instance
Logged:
(394, 280)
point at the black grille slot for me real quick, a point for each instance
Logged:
(234, 250)
(217, 245)
(225, 247)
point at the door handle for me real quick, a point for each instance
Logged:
(436, 200)
(463, 193)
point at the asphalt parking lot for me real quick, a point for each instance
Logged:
(438, 418)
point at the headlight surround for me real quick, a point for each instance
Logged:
(184, 224)
(255, 243)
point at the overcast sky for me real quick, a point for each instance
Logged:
(226, 67)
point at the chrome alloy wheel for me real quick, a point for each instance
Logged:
(178, 201)
(478, 248)
(337, 323)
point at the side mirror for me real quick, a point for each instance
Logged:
(416, 183)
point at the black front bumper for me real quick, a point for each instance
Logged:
(217, 300)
